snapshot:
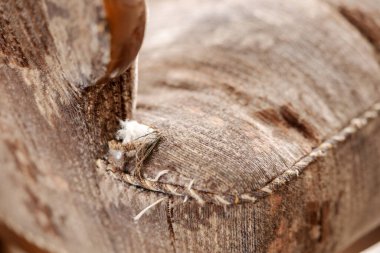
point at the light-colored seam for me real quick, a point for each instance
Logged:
(207, 197)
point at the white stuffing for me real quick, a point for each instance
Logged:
(116, 154)
(131, 130)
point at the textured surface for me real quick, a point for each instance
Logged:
(240, 91)
(54, 122)
(240, 96)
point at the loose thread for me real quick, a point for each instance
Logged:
(146, 209)
(158, 176)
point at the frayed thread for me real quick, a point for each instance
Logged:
(135, 144)
(159, 175)
(146, 209)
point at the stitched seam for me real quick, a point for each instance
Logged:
(293, 172)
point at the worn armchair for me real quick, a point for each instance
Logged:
(264, 116)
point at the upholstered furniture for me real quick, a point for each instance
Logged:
(267, 113)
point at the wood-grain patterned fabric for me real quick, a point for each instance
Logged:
(240, 91)
(240, 97)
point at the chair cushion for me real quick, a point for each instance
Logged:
(242, 97)
(268, 112)
(274, 103)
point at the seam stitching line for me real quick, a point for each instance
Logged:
(293, 172)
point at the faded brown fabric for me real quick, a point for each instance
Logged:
(241, 91)
(239, 97)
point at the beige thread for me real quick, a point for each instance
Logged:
(194, 193)
(222, 200)
(248, 197)
(267, 189)
(206, 197)
(159, 175)
(173, 190)
(146, 209)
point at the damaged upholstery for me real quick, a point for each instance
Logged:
(265, 115)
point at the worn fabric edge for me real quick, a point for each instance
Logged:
(202, 197)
